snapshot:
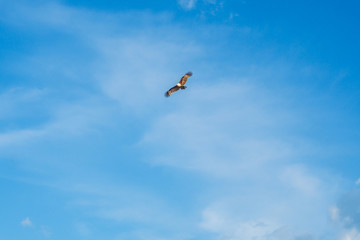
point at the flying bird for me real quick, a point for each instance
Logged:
(180, 85)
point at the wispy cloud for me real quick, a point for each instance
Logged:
(83, 229)
(221, 139)
(272, 213)
(45, 231)
(122, 202)
(239, 136)
(334, 213)
(75, 120)
(351, 234)
(228, 227)
(238, 133)
(345, 215)
(26, 222)
(187, 4)
(357, 182)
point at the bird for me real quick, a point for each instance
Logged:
(180, 85)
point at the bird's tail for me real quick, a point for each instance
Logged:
(167, 94)
(189, 74)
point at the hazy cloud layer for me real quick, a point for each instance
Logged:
(101, 123)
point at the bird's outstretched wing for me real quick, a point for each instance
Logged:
(172, 90)
(181, 84)
(184, 79)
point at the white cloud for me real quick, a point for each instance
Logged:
(187, 4)
(233, 15)
(268, 207)
(357, 182)
(75, 119)
(226, 130)
(210, 1)
(19, 136)
(296, 177)
(122, 203)
(26, 222)
(232, 228)
(233, 132)
(146, 73)
(83, 229)
(334, 213)
(351, 234)
(345, 215)
(13, 97)
(45, 231)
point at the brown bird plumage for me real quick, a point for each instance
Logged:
(180, 85)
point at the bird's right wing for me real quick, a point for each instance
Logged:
(172, 90)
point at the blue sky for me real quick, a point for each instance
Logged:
(263, 144)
